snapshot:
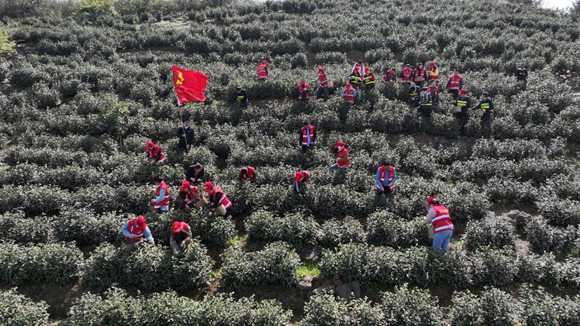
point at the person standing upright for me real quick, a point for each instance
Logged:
(454, 84)
(307, 136)
(323, 87)
(186, 136)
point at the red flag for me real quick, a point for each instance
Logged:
(189, 85)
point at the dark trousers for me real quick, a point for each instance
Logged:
(462, 119)
(455, 93)
(324, 90)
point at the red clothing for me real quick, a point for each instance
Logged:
(156, 152)
(455, 83)
(341, 155)
(419, 75)
(165, 201)
(136, 230)
(305, 135)
(323, 79)
(442, 221)
(262, 71)
(383, 174)
(406, 75)
(303, 88)
(349, 95)
(250, 176)
(224, 200)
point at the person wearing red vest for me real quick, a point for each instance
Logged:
(263, 70)
(219, 202)
(386, 178)
(160, 203)
(154, 154)
(189, 195)
(434, 91)
(323, 87)
(248, 173)
(439, 217)
(433, 72)
(303, 91)
(307, 136)
(349, 94)
(390, 76)
(180, 236)
(407, 74)
(343, 160)
(419, 75)
(454, 84)
(369, 80)
(300, 178)
(360, 68)
(136, 232)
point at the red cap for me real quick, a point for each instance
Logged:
(208, 185)
(348, 85)
(265, 62)
(298, 176)
(140, 220)
(431, 64)
(463, 91)
(149, 144)
(338, 143)
(367, 69)
(184, 185)
(320, 70)
(430, 199)
(176, 227)
(194, 189)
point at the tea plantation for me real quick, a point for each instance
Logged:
(85, 85)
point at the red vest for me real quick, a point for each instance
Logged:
(389, 75)
(407, 74)
(189, 195)
(165, 201)
(262, 72)
(419, 75)
(360, 68)
(442, 221)
(135, 230)
(383, 174)
(305, 135)
(348, 95)
(323, 78)
(302, 87)
(224, 200)
(341, 155)
(248, 176)
(454, 83)
(154, 151)
(435, 90)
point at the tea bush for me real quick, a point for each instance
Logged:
(275, 264)
(545, 238)
(39, 264)
(168, 307)
(19, 310)
(291, 228)
(149, 268)
(493, 232)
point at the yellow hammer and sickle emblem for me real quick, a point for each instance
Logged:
(181, 79)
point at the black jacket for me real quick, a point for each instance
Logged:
(190, 136)
(191, 173)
